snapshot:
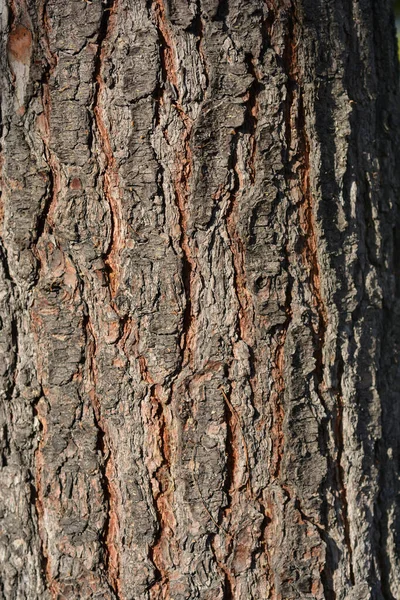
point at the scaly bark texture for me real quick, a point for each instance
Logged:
(200, 300)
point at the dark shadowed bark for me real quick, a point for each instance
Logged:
(200, 316)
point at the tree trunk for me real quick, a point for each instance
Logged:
(200, 316)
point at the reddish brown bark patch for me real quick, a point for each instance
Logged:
(75, 184)
(20, 44)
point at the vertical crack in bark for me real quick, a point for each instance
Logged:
(229, 584)
(39, 411)
(111, 184)
(183, 170)
(54, 185)
(246, 314)
(169, 84)
(197, 28)
(249, 126)
(278, 375)
(232, 479)
(13, 292)
(181, 176)
(232, 489)
(267, 28)
(111, 525)
(112, 193)
(262, 547)
(251, 114)
(45, 39)
(310, 245)
(246, 329)
(188, 264)
(340, 471)
(278, 415)
(12, 15)
(54, 174)
(14, 29)
(278, 352)
(162, 486)
(234, 422)
(163, 494)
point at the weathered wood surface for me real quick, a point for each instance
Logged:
(199, 304)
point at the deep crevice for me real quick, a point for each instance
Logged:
(162, 476)
(266, 31)
(36, 503)
(53, 168)
(110, 173)
(111, 562)
(279, 376)
(231, 444)
(340, 470)
(250, 122)
(12, 370)
(249, 127)
(108, 7)
(310, 246)
(37, 500)
(222, 13)
(197, 29)
(183, 162)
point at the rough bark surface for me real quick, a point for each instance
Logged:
(199, 306)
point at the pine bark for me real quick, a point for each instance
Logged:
(199, 290)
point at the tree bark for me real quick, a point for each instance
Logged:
(199, 300)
